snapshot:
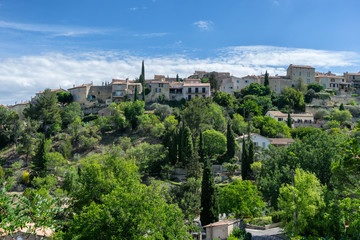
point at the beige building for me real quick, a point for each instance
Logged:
(38, 94)
(18, 108)
(306, 73)
(191, 90)
(176, 91)
(296, 117)
(123, 90)
(80, 93)
(221, 230)
(277, 83)
(100, 94)
(332, 82)
(159, 90)
(354, 79)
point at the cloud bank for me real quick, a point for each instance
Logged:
(204, 25)
(21, 77)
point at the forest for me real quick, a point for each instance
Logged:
(112, 177)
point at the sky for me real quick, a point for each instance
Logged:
(52, 44)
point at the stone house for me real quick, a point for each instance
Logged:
(306, 73)
(332, 81)
(354, 79)
(221, 230)
(80, 93)
(264, 142)
(296, 117)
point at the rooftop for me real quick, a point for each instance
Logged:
(301, 66)
(280, 114)
(222, 223)
(81, 86)
(281, 141)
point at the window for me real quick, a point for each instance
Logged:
(299, 73)
(246, 81)
(308, 74)
(98, 92)
(280, 119)
(157, 89)
(79, 90)
(161, 85)
(118, 93)
(189, 97)
(196, 90)
(237, 81)
(78, 97)
(237, 87)
(189, 90)
(308, 81)
(263, 144)
(203, 90)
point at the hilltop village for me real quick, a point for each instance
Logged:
(209, 156)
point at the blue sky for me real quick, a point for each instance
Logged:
(59, 43)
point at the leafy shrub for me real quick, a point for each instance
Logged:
(276, 216)
(16, 166)
(261, 221)
(354, 95)
(66, 148)
(88, 142)
(90, 118)
(352, 102)
(240, 234)
(26, 177)
(49, 182)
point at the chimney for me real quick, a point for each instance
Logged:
(73, 85)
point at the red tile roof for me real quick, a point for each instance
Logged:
(82, 86)
(222, 223)
(301, 66)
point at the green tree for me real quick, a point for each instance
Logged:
(136, 95)
(269, 127)
(39, 162)
(9, 126)
(132, 111)
(72, 112)
(266, 81)
(250, 107)
(293, 99)
(239, 126)
(27, 139)
(45, 109)
(340, 116)
(316, 87)
(213, 82)
(187, 146)
(230, 142)
(214, 143)
(245, 164)
(64, 97)
(255, 89)
(224, 99)
(177, 78)
(341, 108)
(309, 199)
(240, 198)
(209, 202)
(289, 120)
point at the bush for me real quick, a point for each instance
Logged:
(49, 182)
(16, 166)
(276, 216)
(261, 221)
(88, 143)
(354, 95)
(90, 118)
(26, 177)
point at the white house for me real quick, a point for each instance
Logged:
(264, 142)
(296, 117)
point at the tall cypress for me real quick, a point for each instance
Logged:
(201, 148)
(40, 159)
(188, 149)
(209, 203)
(136, 95)
(230, 152)
(266, 81)
(250, 160)
(289, 121)
(142, 80)
(244, 161)
(173, 147)
(177, 77)
(180, 139)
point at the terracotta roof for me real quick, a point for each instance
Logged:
(252, 134)
(81, 86)
(133, 83)
(301, 66)
(356, 74)
(222, 223)
(118, 81)
(4, 106)
(281, 141)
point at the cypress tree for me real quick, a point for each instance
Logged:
(180, 139)
(136, 96)
(40, 158)
(209, 204)
(289, 120)
(250, 160)
(266, 82)
(142, 80)
(341, 108)
(244, 161)
(230, 153)
(177, 77)
(201, 148)
(173, 147)
(188, 149)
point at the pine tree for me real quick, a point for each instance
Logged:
(209, 203)
(230, 153)
(136, 96)
(266, 82)
(289, 120)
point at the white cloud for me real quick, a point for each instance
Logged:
(204, 25)
(276, 2)
(21, 77)
(56, 30)
(133, 8)
(150, 35)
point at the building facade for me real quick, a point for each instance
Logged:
(296, 72)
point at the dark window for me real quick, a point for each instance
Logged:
(203, 90)
(189, 90)
(189, 97)
(196, 90)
